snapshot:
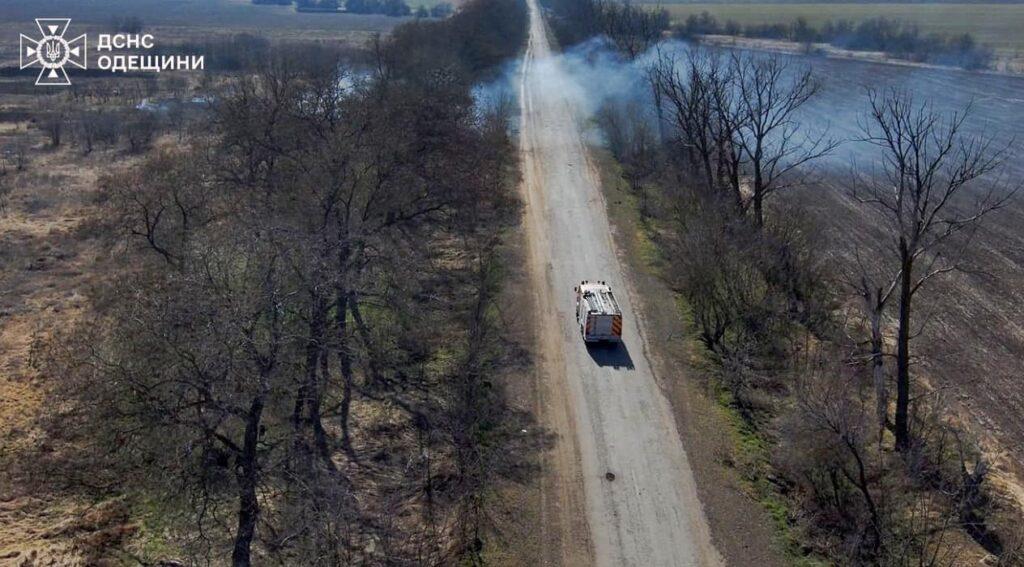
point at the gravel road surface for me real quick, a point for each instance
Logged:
(649, 515)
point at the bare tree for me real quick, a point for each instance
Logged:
(930, 171)
(163, 202)
(633, 142)
(701, 118)
(140, 130)
(52, 123)
(874, 289)
(836, 421)
(202, 347)
(298, 261)
(632, 29)
(769, 95)
(93, 127)
(736, 120)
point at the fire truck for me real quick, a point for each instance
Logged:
(598, 313)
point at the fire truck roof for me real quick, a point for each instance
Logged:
(599, 298)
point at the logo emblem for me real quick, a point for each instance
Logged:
(52, 52)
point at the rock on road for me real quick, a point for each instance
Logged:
(649, 515)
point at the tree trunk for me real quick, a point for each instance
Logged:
(345, 363)
(319, 433)
(298, 410)
(246, 474)
(734, 183)
(758, 195)
(376, 376)
(861, 482)
(342, 299)
(709, 172)
(660, 110)
(878, 366)
(903, 353)
(306, 415)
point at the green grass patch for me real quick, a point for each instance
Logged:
(157, 520)
(625, 205)
(753, 461)
(751, 450)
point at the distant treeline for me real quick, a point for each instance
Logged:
(632, 29)
(895, 38)
(395, 8)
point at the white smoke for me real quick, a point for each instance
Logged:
(593, 74)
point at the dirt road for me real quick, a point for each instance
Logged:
(618, 419)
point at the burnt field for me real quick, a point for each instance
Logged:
(972, 344)
(997, 100)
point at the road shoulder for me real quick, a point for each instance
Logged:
(741, 529)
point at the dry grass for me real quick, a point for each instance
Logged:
(47, 262)
(973, 340)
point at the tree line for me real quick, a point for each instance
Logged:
(298, 358)
(895, 38)
(393, 8)
(799, 354)
(633, 29)
(805, 345)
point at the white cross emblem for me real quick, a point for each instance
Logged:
(52, 51)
